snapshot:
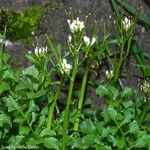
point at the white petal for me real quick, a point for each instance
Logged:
(93, 41)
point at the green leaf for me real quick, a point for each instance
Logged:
(88, 127)
(33, 118)
(120, 143)
(24, 130)
(47, 132)
(102, 147)
(42, 121)
(112, 113)
(102, 90)
(10, 102)
(19, 119)
(109, 130)
(6, 57)
(4, 119)
(32, 107)
(128, 117)
(126, 92)
(51, 143)
(113, 92)
(24, 83)
(4, 86)
(143, 141)
(31, 71)
(127, 104)
(16, 140)
(133, 127)
(37, 94)
(32, 59)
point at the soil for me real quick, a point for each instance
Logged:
(55, 24)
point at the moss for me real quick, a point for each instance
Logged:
(20, 25)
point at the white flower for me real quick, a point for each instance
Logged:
(93, 40)
(40, 50)
(36, 51)
(126, 23)
(8, 43)
(32, 32)
(88, 41)
(109, 74)
(145, 87)
(70, 38)
(76, 25)
(66, 68)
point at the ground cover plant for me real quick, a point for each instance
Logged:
(32, 114)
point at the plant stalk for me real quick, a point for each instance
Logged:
(145, 109)
(51, 109)
(82, 94)
(66, 115)
(51, 46)
(118, 68)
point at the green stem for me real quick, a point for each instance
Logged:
(82, 94)
(145, 109)
(66, 115)
(118, 68)
(51, 46)
(51, 109)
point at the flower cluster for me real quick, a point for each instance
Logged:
(109, 74)
(88, 41)
(65, 67)
(126, 23)
(145, 87)
(40, 50)
(76, 25)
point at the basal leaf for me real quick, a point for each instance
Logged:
(4, 86)
(51, 143)
(5, 119)
(102, 90)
